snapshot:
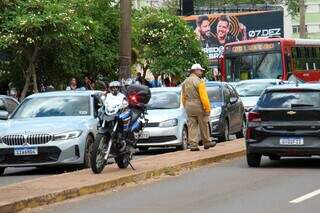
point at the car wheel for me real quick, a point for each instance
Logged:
(144, 148)
(88, 150)
(2, 170)
(184, 140)
(225, 136)
(242, 132)
(253, 160)
(274, 157)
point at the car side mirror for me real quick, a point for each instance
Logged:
(4, 115)
(233, 100)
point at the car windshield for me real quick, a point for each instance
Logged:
(247, 89)
(214, 94)
(53, 106)
(283, 99)
(164, 100)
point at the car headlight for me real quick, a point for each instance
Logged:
(169, 123)
(215, 112)
(67, 135)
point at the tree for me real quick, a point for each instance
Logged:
(66, 36)
(166, 43)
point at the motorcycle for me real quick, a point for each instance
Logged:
(121, 126)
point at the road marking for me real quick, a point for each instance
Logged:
(305, 197)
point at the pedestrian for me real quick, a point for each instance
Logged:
(139, 78)
(72, 84)
(197, 105)
(167, 82)
(156, 82)
(89, 83)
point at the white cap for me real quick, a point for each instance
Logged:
(196, 67)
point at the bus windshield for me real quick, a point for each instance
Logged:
(253, 65)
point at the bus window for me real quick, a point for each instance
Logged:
(254, 66)
(288, 65)
(317, 58)
(294, 52)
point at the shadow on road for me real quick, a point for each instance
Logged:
(38, 171)
(155, 151)
(289, 163)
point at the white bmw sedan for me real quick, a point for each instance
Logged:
(54, 128)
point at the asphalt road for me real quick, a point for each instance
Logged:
(225, 187)
(15, 175)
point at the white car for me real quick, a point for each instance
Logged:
(167, 124)
(54, 128)
(250, 90)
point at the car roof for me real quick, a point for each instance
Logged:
(258, 81)
(215, 83)
(288, 86)
(161, 89)
(65, 93)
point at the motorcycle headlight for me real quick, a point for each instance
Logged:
(67, 135)
(169, 123)
(215, 112)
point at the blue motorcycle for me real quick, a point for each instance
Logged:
(121, 126)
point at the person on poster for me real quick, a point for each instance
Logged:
(223, 35)
(204, 33)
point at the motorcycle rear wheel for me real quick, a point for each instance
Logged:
(99, 149)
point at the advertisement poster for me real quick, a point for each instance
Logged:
(216, 30)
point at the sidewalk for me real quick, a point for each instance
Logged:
(56, 188)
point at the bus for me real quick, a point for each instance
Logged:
(275, 58)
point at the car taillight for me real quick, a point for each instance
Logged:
(254, 117)
(249, 133)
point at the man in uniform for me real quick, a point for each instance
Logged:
(197, 105)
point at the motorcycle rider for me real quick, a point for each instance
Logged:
(115, 97)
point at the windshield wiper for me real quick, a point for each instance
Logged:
(301, 105)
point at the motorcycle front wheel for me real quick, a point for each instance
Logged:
(98, 155)
(123, 160)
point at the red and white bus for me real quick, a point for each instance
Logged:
(272, 58)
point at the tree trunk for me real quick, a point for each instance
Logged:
(302, 27)
(125, 39)
(31, 56)
(34, 80)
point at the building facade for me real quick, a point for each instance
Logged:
(312, 20)
(148, 3)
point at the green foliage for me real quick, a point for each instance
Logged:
(73, 37)
(166, 42)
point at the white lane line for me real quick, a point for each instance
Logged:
(305, 197)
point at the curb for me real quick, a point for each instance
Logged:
(110, 184)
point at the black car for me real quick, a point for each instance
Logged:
(227, 113)
(7, 104)
(285, 122)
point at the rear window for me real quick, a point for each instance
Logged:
(290, 99)
(214, 94)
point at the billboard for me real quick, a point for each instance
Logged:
(216, 30)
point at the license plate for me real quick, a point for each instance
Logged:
(26, 151)
(144, 135)
(291, 141)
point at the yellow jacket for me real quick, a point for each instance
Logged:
(193, 88)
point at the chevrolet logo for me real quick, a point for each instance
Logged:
(291, 112)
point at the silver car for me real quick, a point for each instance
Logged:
(250, 90)
(54, 128)
(167, 124)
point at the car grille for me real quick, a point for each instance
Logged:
(152, 125)
(18, 140)
(45, 155)
(159, 139)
